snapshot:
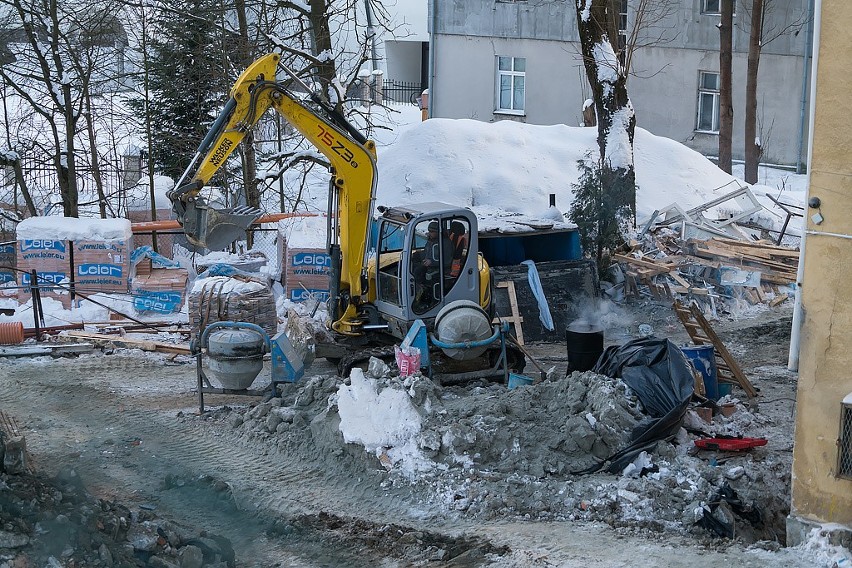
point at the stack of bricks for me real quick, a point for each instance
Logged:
(306, 273)
(91, 254)
(238, 298)
(156, 288)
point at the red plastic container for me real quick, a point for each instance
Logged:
(730, 444)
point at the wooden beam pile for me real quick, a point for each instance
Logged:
(705, 270)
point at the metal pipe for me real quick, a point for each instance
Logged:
(805, 61)
(798, 311)
(432, 42)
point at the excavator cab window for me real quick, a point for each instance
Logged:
(391, 243)
(431, 260)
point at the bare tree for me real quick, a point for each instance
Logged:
(52, 64)
(766, 23)
(650, 23)
(726, 106)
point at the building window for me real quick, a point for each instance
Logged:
(710, 7)
(511, 84)
(708, 102)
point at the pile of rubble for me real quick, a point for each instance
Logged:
(714, 272)
(483, 451)
(56, 523)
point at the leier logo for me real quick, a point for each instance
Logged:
(311, 259)
(111, 270)
(42, 244)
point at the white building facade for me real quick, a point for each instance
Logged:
(520, 60)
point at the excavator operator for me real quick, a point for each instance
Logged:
(426, 264)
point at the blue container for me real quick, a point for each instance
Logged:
(516, 381)
(703, 360)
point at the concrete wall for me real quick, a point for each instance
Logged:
(403, 59)
(825, 359)
(663, 86)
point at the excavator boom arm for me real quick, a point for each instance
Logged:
(353, 168)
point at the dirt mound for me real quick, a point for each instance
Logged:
(482, 451)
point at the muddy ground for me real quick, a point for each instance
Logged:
(276, 482)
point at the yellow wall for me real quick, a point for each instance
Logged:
(825, 356)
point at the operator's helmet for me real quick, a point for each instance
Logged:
(433, 226)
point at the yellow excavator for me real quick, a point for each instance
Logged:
(426, 263)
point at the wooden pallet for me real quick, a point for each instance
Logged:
(699, 329)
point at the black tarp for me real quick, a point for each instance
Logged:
(658, 372)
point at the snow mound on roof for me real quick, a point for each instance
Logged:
(508, 168)
(73, 229)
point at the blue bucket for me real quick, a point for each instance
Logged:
(516, 381)
(703, 359)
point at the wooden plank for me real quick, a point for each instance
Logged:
(778, 300)
(40, 349)
(643, 263)
(130, 343)
(696, 291)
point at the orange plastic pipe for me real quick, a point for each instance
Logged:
(171, 224)
(11, 333)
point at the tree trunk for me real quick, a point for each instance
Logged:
(726, 107)
(93, 148)
(615, 116)
(321, 34)
(25, 191)
(752, 141)
(71, 199)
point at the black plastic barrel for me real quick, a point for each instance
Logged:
(585, 345)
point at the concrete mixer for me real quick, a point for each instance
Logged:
(232, 354)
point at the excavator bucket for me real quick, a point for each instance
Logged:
(215, 229)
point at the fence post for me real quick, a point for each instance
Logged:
(379, 82)
(424, 105)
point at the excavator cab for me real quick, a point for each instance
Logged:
(426, 258)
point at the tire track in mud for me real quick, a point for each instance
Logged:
(74, 411)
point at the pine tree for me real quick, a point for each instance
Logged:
(188, 81)
(601, 211)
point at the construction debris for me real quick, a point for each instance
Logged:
(127, 342)
(664, 267)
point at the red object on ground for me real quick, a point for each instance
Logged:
(730, 444)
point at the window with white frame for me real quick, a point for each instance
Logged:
(710, 7)
(511, 84)
(708, 102)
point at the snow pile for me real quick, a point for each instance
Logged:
(820, 548)
(304, 232)
(384, 420)
(226, 285)
(73, 229)
(506, 168)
